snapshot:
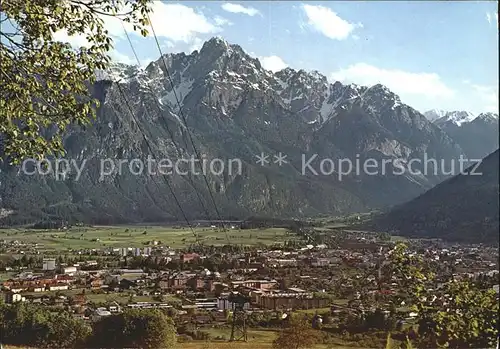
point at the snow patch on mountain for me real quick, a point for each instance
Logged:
(177, 93)
(434, 114)
(228, 73)
(326, 109)
(487, 117)
(457, 118)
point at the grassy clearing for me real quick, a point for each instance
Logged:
(7, 275)
(129, 236)
(121, 297)
(228, 345)
(257, 339)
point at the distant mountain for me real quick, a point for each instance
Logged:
(434, 114)
(463, 208)
(476, 135)
(456, 118)
(235, 109)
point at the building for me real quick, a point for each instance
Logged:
(96, 283)
(320, 262)
(223, 303)
(100, 313)
(58, 287)
(49, 264)
(137, 251)
(276, 301)
(188, 257)
(255, 284)
(12, 297)
(292, 262)
(196, 283)
(179, 281)
(69, 270)
(206, 303)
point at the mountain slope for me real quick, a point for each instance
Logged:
(434, 114)
(477, 136)
(234, 109)
(456, 118)
(463, 208)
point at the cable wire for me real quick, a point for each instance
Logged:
(170, 133)
(134, 118)
(185, 121)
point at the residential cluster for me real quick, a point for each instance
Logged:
(195, 286)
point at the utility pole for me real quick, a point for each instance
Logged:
(239, 324)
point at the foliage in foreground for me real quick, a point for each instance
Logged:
(297, 334)
(44, 82)
(29, 325)
(137, 328)
(459, 313)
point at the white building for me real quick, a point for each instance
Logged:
(49, 264)
(12, 297)
(223, 303)
(58, 288)
(99, 313)
(69, 270)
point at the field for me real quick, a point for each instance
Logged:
(228, 345)
(257, 339)
(135, 236)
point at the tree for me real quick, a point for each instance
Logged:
(461, 314)
(29, 325)
(299, 334)
(384, 236)
(466, 318)
(137, 328)
(44, 83)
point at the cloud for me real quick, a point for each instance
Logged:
(176, 22)
(169, 44)
(488, 96)
(273, 63)
(120, 57)
(195, 45)
(237, 8)
(323, 20)
(180, 23)
(401, 82)
(492, 18)
(73, 40)
(221, 21)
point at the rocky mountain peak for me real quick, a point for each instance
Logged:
(478, 136)
(457, 118)
(236, 109)
(491, 118)
(434, 114)
(217, 43)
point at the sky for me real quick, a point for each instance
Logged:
(434, 55)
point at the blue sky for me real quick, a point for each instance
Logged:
(436, 54)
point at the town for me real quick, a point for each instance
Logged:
(327, 275)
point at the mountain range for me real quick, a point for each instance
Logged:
(232, 108)
(462, 208)
(476, 134)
